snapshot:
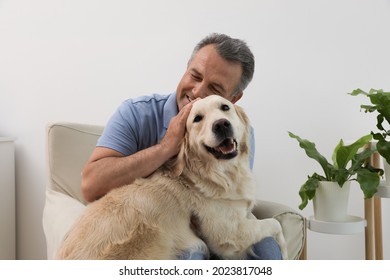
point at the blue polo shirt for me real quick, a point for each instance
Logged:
(142, 122)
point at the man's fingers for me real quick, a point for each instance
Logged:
(185, 111)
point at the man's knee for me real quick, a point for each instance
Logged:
(266, 249)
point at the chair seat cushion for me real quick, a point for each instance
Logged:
(59, 214)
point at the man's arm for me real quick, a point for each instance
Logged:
(107, 169)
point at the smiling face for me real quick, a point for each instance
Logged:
(209, 74)
(215, 128)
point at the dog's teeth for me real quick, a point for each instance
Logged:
(227, 148)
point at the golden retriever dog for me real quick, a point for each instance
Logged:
(209, 181)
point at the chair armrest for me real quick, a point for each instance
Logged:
(293, 224)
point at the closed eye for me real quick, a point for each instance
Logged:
(215, 90)
(198, 118)
(196, 77)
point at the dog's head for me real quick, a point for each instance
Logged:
(217, 137)
(217, 129)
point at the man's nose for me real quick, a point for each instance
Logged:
(199, 90)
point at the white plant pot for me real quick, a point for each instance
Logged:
(386, 168)
(331, 202)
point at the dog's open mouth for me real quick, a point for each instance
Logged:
(227, 149)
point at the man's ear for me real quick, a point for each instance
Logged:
(236, 97)
(175, 166)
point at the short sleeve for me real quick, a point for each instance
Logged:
(121, 133)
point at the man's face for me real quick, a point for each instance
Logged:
(208, 73)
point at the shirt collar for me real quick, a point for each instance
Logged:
(170, 109)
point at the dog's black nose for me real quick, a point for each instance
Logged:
(222, 128)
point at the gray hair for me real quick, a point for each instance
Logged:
(233, 50)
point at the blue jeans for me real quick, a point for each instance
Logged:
(266, 249)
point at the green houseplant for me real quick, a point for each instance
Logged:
(349, 163)
(380, 104)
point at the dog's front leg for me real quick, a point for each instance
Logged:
(272, 228)
(232, 239)
(256, 230)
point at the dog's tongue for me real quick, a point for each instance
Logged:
(227, 146)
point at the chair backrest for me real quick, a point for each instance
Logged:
(69, 145)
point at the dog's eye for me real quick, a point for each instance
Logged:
(198, 118)
(225, 107)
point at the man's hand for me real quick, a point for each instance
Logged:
(176, 130)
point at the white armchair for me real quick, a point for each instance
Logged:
(69, 145)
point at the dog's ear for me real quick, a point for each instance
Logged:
(175, 166)
(244, 145)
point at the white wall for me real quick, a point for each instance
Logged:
(69, 60)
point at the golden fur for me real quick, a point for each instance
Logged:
(151, 218)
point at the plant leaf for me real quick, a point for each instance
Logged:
(308, 190)
(344, 154)
(369, 182)
(340, 176)
(334, 155)
(379, 122)
(311, 151)
(359, 160)
(383, 148)
(357, 92)
(381, 100)
(368, 108)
